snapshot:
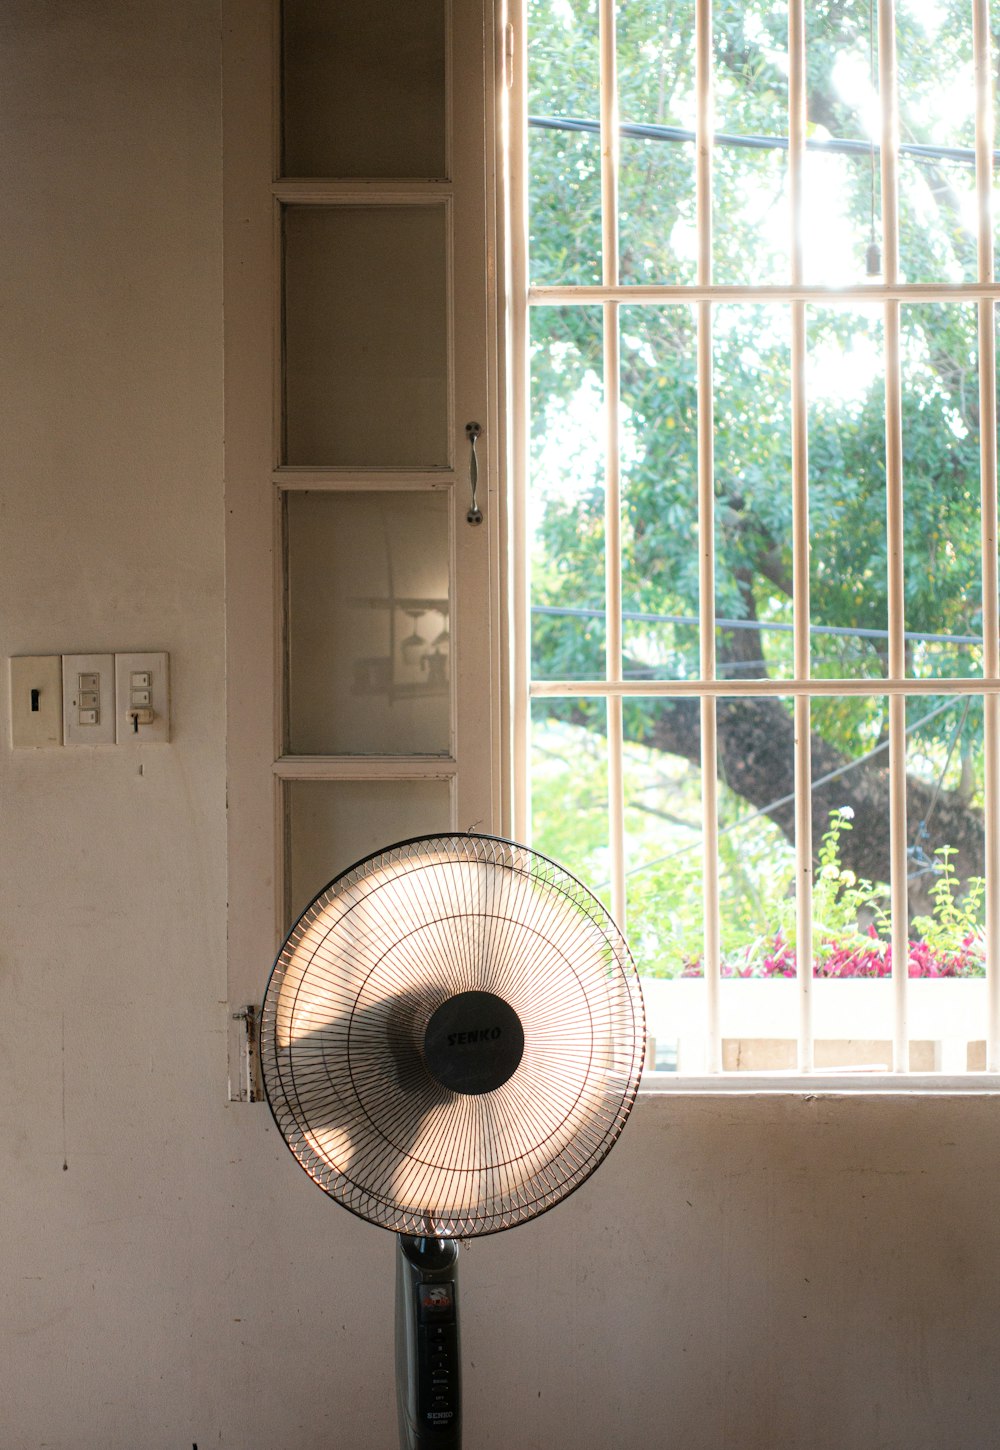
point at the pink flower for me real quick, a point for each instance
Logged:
(868, 957)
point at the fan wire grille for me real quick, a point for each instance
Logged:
(348, 1003)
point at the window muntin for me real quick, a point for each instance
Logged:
(797, 563)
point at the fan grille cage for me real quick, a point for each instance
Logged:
(358, 979)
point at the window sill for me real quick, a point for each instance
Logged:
(827, 1084)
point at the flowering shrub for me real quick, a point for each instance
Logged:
(947, 943)
(874, 959)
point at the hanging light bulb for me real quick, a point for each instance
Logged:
(412, 647)
(444, 637)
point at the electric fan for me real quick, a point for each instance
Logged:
(451, 1042)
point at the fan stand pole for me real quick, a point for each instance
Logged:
(428, 1386)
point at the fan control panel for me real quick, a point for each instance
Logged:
(437, 1334)
(428, 1361)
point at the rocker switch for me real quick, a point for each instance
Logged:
(142, 687)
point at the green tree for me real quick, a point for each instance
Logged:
(752, 425)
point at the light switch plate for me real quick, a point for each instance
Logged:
(142, 698)
(88, 699)
(36, 714)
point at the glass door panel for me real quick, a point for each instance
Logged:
(368, 623)
(366, 336)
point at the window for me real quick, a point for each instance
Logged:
(756, 639)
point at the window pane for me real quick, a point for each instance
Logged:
(937, 192)
(842, 176)
(853, 1004)
(566, 514)
(756, 862)
(845, 387)
(659, 492)
(564, 158)
(944, 762)
(368, 623)
(363, 88)
(753, 492)
(333, 823)
(366, 336)
(664, 835)
(750, 164)
(946, 862)
(656, 183)
(569, 788)
(845, 407)
(942, 517)
(664, 874)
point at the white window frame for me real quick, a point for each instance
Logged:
(888, 295)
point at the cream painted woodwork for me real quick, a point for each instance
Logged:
(361, 339)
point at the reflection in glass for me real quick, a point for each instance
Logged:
(368, 623)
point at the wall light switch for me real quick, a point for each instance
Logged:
(36, 715)
(142, 705)
(88, 699)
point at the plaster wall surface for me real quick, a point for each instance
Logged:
(742, 1272)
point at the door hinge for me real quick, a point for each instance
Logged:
(246, 1083)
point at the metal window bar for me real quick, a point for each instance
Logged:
(612, 456)
(712, 940)
(894, 531)
(800, 539)
(888, 295)
(985, 160)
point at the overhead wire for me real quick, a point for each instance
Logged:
(772, 626)
(787, 799)
(964, 155)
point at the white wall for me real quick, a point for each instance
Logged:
(742, 1272)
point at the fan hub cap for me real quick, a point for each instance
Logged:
(473, 1043)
